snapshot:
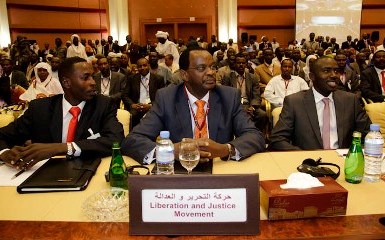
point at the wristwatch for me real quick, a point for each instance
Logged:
(231, 151)
(70, 151)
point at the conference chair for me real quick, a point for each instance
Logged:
(275, 114)
(6, 119)
(124, 117)
(376, 113)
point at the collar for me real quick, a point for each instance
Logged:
(193, 99)
(67, 106)
(109, 76)
(318, 96)
(379, 70)
(269, 66)
(146, 77)
(291, 78)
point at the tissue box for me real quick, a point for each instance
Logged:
(329, 200)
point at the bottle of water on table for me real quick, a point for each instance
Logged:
(373, 153)
(164, 154)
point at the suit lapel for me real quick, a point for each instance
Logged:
(233, 79)
(266, 69)
(376, 80)
(215, 112)
(112, 83)
(84, 118)
(56, 126)
(311, 110)
(183, 115)
(340, 112)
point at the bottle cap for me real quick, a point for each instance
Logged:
(164, 134)
(115, 145)
(374, 127)
(356, 134)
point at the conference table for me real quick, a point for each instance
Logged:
(59, 215)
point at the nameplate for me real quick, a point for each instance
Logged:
(194, 205)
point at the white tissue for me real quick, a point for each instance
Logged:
(302, 181)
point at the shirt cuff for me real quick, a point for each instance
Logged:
(78, 151)
(237, 156)
(149, 157)
(5, 149)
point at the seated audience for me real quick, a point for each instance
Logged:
(309, 60)
(360, 64)
(43, 84)
(348, 79)
(158, 69)
(373, 79)
(51, 123)
(139, 94)
(169, 63)
(109, 83)
(283, 85)
(322, 117)
(268, 69)
(248, 85)
(221, 126)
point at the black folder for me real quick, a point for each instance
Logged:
(60, 175)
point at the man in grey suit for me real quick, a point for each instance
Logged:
(348, 78)
(231, 133)
(302, 122)
(372, 78)
(109, 83)
(248, 85)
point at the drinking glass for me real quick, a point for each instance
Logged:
(189, 154)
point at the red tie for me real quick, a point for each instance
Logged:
(75, 111)
(383, 80)
(326, 124)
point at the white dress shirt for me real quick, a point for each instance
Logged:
(67, 116)
(277, 88)
(144, 96)
(333, 121)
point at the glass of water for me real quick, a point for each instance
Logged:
(189, 154)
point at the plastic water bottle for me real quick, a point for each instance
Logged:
(164, 154)
(373, 153)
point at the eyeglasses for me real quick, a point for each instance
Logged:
(203, 67)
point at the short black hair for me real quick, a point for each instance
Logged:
(184, 59)
(314, 64)
(66, 67)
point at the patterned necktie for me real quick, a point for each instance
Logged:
(296, 69)
(383, 80)
(200, 120)
(326, 124)
(75, 111)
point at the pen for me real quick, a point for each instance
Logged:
(18, 173)
(22, 170)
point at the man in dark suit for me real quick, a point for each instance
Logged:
(333, 45)
(126, 47)
(265, 44)
(16, 77)
(140, 91)
(214, 45)
(349, 43)
(373, 79)
(364, 42)
(109, 83)
(348, 78)
(176, 106)
(248, 85)
(306, 122)
(49, 122)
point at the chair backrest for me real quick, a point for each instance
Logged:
(124, 117)
(275, 114)
(6, 119)
(376, 113)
